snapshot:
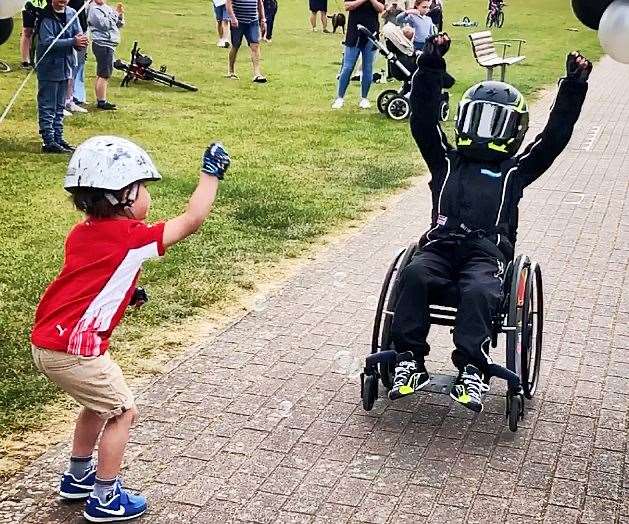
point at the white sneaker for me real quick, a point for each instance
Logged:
(66, 113)
(364, 103)
(75, 108)
(338, 103)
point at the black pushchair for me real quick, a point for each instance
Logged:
(401, 64)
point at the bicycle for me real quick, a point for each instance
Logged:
(495, 14)
(139, 68)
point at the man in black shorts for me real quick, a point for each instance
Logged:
(28, 30)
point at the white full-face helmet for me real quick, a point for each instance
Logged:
(109, 163)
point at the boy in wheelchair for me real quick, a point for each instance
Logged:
(475, 189)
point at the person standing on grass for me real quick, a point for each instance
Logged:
(28, 30)
(319, 7)
(85, 302)
(55, 70)
(270, 10)
(418, 19)
(104, 23)
(222, 22)
(76, 86)
(365, 13)
(247, 19)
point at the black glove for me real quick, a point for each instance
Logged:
(578, 67)
(139, 297)
(215, 160)
(437, 45)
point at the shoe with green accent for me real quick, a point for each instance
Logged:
(410, 377)
(469, 388)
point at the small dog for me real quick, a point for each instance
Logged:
(338, 20)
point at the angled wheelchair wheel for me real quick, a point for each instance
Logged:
(384, 98)
(516, 312)
(381, 336)
(444, 111)
(532, 332)
(398, 108)
(490, 20)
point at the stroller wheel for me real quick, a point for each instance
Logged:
(444, 111)
(398, 108)
(384, 98)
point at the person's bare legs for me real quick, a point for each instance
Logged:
(313, 20)
(112, 444)
(255, 59)
(220, 29)
(88, 427)
(231, 67)
(100, 87)
(225, 33)
(324, 20)
(26, 40)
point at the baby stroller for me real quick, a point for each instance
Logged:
(402, 62)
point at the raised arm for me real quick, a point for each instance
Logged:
(214, 164)
(425, 102)
(540, 154)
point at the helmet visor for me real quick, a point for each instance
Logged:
(488, 120)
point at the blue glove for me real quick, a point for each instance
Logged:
(215, 160)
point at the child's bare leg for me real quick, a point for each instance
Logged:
(233, 51)
(112, 444)
(88, 427)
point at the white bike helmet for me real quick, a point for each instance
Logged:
(109, 163)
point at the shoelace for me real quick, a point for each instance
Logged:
(402, 371)
(474, 386)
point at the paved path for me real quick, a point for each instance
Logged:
(263, 423)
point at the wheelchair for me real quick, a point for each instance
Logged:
(520, 317)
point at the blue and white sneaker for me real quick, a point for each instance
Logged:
(72, 488)
(121, 505)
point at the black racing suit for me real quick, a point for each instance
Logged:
(462, 257)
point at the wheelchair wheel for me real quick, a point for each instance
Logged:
(444, 111)
(381, 337)
(514, 411)
(532, 332)
(516, 313)
(398, 108)
(489, 20)
(384, 98)
(369, 391)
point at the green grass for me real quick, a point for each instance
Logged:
(299, 170)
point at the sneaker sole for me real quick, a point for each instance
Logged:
(417, 388)
(113, 518)
(73, 496)
(468, 406)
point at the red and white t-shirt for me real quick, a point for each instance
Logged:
(86, 301)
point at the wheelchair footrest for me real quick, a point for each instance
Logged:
(440, 383)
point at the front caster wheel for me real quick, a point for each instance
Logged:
(369, 390)
(514, 411)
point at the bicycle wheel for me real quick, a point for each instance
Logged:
(170, 81)
(500, 19)
(489, 20)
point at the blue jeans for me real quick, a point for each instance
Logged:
(78, 73)
(51, 99)
(350, 57)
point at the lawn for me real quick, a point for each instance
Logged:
(299, 170)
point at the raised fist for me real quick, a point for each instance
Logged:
(437, 45)
(578, 67)
(215, 160)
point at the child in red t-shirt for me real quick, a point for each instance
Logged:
(86, 301)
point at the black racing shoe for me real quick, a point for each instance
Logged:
(410, 377)
(69, 148)
(469, 388)
(53, 147)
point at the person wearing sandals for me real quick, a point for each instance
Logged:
(247, 20)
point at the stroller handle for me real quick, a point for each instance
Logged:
(362, 29)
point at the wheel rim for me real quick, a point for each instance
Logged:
(384, 98)
(501, 19)
(398, 109)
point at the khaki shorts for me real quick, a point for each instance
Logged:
(94, 382)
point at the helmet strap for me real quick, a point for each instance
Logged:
(124, 200)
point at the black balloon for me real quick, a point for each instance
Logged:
(6, 27)
(589, 12)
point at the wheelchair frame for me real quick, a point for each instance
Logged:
(521, 318)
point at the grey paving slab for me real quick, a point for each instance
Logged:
(262, 422)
